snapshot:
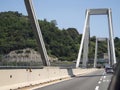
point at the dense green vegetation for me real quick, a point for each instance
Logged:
(16, 33)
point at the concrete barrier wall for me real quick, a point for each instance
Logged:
(15, 78)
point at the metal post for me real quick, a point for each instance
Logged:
(95, 58)
(111, 37)
(82, 40)
(36, 29)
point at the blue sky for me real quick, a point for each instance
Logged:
(71, 13)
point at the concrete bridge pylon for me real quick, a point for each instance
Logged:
(85, 37)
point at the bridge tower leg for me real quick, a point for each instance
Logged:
(108, 51)
(111, 36)
(85, 48)
(83, 40)
(37, 30)
(96, 50)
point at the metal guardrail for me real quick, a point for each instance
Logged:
(39, 65)
(21, 67)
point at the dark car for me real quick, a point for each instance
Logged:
(109, 70)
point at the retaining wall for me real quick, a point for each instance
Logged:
(15, 78)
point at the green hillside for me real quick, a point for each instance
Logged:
(16, 33)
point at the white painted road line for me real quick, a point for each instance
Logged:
(97, 88)
(104, 73)
(108, 80)
(104, 80)
(104, 77)
(99, 82)
(101, 78)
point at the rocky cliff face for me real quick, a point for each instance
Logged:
(23, 55)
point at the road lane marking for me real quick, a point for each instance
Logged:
(97, 88)
(104, 77)
(107, 80)
(104, 73)
(104, 80)
(99, 82)
(100, 79)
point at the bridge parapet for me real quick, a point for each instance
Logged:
(16, 78)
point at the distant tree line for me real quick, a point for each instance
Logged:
(16, 33)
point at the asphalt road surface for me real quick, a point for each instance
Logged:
(97, 80)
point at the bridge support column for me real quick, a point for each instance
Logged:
(111, 36)
(96, 50)
(85, 48)
(83, 39)
(37, 30)
(109, 61)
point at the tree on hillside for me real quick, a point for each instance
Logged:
(16, 33)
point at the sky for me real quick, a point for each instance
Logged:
(71, 13)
